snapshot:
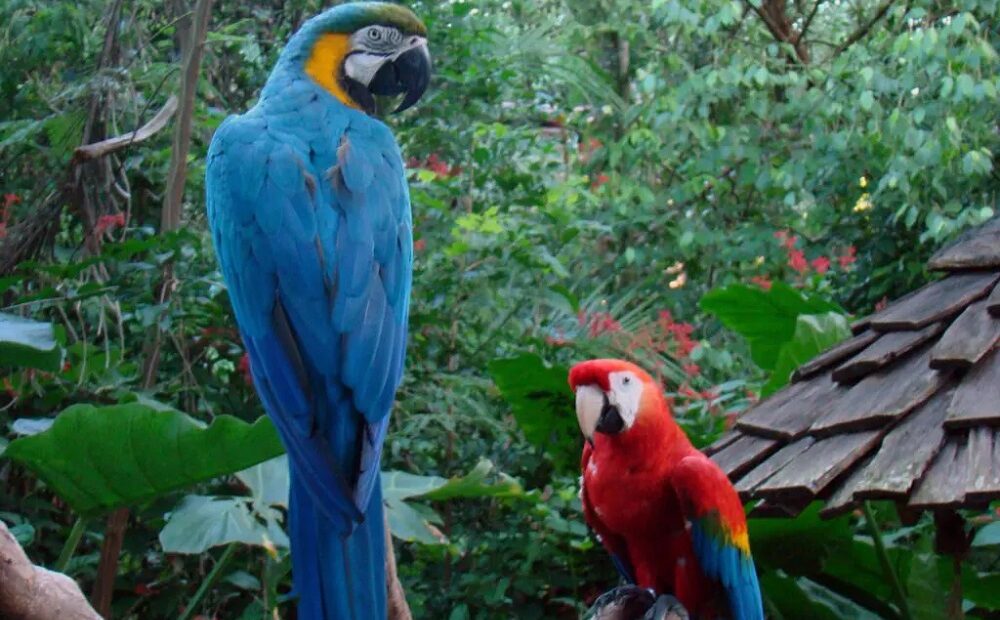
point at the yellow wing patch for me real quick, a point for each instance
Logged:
(324, 63)
(741, 541)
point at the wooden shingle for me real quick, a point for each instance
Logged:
(884, 396)
(789, 412)
(906, 452)
(834, 354)
(993, 301)
(740, 456)
(884, 351)
(772, 465)
(936, 301)
(977, 399)
(970, 337)
(809, 472)
(944, 484)
(978, 248)
(984, 465)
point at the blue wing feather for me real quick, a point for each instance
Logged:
(717, 549)
(309, 232)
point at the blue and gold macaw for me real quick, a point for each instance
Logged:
(310, 215)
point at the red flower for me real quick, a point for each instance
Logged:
(821, 264)
(601, 322)
(585, 148)
(10, 200)
(599, 181)
(142, 589)
(787, 240)
(686, 391)
(848, 257)
(244, 368)
(762, 281)
(419, 245)
(692, 369)
(797, 261)
(556, 341)
(109, 222)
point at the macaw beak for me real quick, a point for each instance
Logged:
(407, 74)
(595, 413)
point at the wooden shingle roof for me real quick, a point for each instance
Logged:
(908, 409)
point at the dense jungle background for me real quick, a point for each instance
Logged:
(710, 188)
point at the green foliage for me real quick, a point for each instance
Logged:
(582, 174)
(200, 522)
(416, 522)
(541, 402)
(27, 343)
(814, 333)
(99, 458)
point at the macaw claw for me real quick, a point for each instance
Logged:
(634, 603)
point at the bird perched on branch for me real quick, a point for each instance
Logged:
(668, 515)
(310, 215)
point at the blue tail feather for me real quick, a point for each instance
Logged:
(337, 576)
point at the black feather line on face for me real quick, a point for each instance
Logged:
(359, 94)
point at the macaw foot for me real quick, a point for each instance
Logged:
(667, 608)
(622, 603)
(634, 603)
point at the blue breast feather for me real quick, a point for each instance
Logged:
(310, 216)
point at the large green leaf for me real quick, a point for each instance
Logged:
(99, 458)
(414, 522)
(542, 403)
(987, 535)
(799, 597)
(983, 589)
(202, 522)
(28, 344)
(814, 333)
(766, 319)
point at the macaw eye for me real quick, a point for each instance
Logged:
(374, 34)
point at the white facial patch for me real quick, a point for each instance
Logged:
(372, 47)
(626, 392)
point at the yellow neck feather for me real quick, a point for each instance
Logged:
(324, 63)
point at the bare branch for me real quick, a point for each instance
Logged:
(398, 608)
(112, 145)
(29, 592)
(862, 30)
(775, 17)
(808, 22)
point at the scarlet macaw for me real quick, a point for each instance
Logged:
(310, 216)
(668, 515)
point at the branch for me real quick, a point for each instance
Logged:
(29, 592)
(171, 216)
(775, 18)
(863, 29)
(88, 152)
(170, 219)
(398, 608)
(808, 22)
